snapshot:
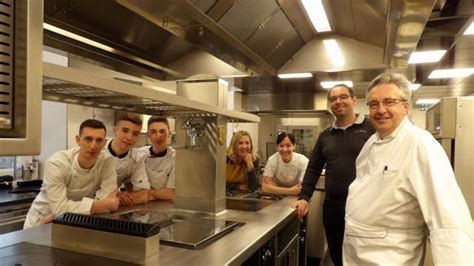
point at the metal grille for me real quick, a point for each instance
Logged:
(57, 90)
(6, 62)
(108, 225)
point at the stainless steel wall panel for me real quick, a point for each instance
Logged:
(269, 34)
(285, 49)
(283, 102)
(464, 145)
(203, 5)
(246, 16)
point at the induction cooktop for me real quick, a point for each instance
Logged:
(184, 231)
(195, 232)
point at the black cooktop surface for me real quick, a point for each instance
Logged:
(195, 232)
(186, 231)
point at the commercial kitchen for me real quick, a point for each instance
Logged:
(212, 67)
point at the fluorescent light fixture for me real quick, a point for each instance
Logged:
(470, 29)
(76, 37)
(426, 101)
(295, 75)
(330, 84)
(451, 73)
(317, 15)
(426, 56)
(414, 86)
(235, 76)
(335, 53)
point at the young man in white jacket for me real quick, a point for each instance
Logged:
(81, 180)
(161, 160)
(130, 161)
(405, 190)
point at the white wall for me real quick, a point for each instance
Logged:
(53, 131)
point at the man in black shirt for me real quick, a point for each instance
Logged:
(336, 150)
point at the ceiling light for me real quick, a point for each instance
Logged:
(317, 15)
(234, 76)
(470, 29)
(295, 75)
(427, 101)
(451, 73)
(426, 56)
(330, 84)
(414, 86)
(76, 37)
(335, 53)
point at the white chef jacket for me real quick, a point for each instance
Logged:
(161, 170)
(131, 169)
(67, 187)
(404, 187)
(286, 174)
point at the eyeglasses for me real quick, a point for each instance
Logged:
(340, 97)
(388, 102)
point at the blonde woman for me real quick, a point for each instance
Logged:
(242, 164)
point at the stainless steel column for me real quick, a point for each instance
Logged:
(200, 170)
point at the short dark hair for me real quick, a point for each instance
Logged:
(158, 119)
(283, 135)
(133, 118)
(92, 123)
(351, 90)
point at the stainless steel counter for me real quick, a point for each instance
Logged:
(233, 248)
(7, 198)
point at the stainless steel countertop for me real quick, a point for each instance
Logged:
(7, 198)
(233, 248)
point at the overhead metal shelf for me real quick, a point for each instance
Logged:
(68, 85)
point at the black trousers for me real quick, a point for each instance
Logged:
(333, 221)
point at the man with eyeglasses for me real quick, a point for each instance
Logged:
(404, 186)
(336, 150)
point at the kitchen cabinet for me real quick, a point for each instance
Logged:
(282, 249)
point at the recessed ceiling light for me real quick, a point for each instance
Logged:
(451, 73)
(427, 101)
(330, 84)
(295, 75)
(414, 86)
(426, 56)
(335, 53)
(317, 15)
(470, 29)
